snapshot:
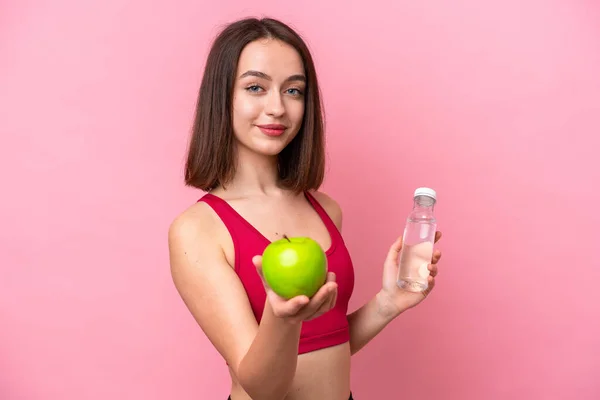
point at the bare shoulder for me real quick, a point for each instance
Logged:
(193, 247)
(193, 228)
(331, 206)
(197, 220)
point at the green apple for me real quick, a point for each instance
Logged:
(294, 266)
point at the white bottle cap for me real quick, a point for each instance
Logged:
(424, 191)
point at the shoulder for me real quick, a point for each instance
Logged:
(194, 231)
(193, 221)
(331, 206)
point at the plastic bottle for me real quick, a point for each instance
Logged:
(418, 240)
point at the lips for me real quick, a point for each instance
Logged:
(272, 129)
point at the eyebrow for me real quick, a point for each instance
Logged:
(297, 77)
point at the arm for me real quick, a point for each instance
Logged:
(390, 302)
(369, 320)
(268, 368)
(263, 357)
(366, 322)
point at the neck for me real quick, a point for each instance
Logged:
(255, 174)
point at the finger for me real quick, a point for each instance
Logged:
(330, 283)
(436, 256)
(297, 303)
(257, 261)
(283, 307)
(323, 293)
(333, 297)
(321, 298)
(433, 270)
(331, 302)
(330, 277)
(326, 306)
(394, 251)
(334, 300)
(438, 235)
(317, 313)
(430, 286)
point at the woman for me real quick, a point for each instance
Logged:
(257, 149)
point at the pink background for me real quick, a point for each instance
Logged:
(495, 104)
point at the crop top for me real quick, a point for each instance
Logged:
(327, 330)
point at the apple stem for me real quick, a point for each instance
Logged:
(288, 239)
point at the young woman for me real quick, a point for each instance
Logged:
(257, 149)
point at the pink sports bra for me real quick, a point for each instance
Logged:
(331, 328)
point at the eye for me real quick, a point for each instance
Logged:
(253, 88)
(294, 92)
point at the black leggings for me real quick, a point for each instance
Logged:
(349, 398)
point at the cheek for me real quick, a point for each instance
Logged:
(296, 111)
(245, 110)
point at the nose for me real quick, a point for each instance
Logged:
(274, 106)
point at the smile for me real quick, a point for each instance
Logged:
(272, 129)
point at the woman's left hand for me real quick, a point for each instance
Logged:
(395, 299)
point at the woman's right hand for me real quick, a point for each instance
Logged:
(300, 308)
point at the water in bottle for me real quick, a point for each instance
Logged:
(417, 244)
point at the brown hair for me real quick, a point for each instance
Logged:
(210, 160)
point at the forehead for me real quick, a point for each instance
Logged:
(273, 57)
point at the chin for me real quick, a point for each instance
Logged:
(266, 146)
(270, 150)
(270, 146)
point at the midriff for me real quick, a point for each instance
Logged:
(320, 374)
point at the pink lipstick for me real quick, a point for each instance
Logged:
(272, 129)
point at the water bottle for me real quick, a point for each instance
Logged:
(417, 244)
